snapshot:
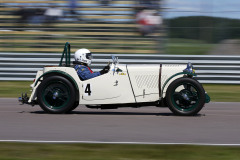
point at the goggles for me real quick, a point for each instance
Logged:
(89, 56)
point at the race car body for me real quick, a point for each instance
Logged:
(58, 89)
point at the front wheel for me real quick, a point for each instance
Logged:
(185, 96)
(56, 95)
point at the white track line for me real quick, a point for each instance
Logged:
(102, 142)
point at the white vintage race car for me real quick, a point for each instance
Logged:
(58, 89)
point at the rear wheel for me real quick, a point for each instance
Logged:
(56, 95)
(75, 105)
(185, 97)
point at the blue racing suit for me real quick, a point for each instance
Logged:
(84, 72)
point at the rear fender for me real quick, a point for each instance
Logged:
(60, 73)
(50, 73)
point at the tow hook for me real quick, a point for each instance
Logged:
(23, 99)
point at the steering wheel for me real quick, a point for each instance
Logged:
(114, 59)
(115, 62)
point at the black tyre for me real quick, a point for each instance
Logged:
(75, 105)
(56, 95)
(185, 96)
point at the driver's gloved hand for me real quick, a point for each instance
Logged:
(105, 69)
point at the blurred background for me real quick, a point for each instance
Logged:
(103, 26)
(121, 26)
(203, 26)
(204, 32)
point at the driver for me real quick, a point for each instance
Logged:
(83, 59)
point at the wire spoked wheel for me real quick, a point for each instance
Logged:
(185, 96)
(56, 95)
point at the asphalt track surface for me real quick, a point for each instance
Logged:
(217, 123)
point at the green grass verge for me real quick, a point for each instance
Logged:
(217, 92)
(13, 89)
(38, 151)
(188, 47)
(223, 93)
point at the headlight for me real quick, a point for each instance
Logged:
(189, 69)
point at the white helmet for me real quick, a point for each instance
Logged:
(83, 55)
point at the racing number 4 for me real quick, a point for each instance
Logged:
(88, 90)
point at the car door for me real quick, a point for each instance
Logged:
(112, 87)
